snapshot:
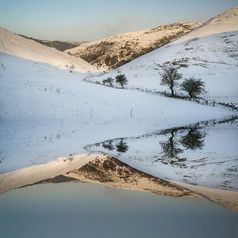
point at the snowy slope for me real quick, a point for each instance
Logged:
(16, 45)
(114, 51)
(48, 113)
(209, 52)
(204, 154)
(224, 22)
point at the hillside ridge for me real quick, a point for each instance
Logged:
(114, 51)
(21, 47)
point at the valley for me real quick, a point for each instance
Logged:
(56, 106)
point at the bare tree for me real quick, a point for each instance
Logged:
(170, 78)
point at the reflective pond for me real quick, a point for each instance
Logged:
(203, 154)
(90, 210)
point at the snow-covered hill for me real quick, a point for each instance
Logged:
(224, 22)
(21, 47)
(209, 52)
(92, 168)
(59, 45)
(47, 112)
(117, 50)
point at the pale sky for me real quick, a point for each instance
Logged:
(78, 20)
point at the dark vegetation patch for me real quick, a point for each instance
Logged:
(57, 179)
(59, 45)
(113, 170)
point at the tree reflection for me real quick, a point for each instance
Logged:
(173, 146)
(193, 140)
(122, 147)
(170, 147)
(171, 150)
(108, 145)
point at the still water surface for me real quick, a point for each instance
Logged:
(90, 210)
(204, 154)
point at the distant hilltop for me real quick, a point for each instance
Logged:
(114, 51)
(59, 45)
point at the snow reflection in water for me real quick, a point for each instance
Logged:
(204, 154)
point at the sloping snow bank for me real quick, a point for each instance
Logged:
(28, 49)
(35, 174)
(48, 113)
(209, 52)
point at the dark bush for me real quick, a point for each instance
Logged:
(193, 87)
(108, 81)
(121, 79)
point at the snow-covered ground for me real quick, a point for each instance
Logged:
(209, 52)
(200, 155)
(47, 113)
(48, 110)
(16, 45)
